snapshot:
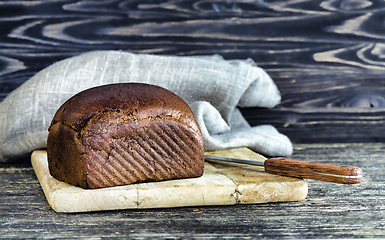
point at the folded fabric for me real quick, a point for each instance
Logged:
(212, 86)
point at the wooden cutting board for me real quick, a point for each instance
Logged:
(221, 184)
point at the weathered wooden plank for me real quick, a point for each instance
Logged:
(329, 211)
(317, 126)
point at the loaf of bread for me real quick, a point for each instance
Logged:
(120, 134)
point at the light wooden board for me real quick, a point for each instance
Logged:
(221, 184)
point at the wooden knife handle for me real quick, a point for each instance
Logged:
(314, 170)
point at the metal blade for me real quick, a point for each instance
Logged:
(234, 160)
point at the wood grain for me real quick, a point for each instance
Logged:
(330, 211)
(314, 170)
(327, 57)
(221, 184)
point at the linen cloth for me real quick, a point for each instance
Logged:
(212, 86)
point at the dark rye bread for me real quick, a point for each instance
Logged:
(120, 134)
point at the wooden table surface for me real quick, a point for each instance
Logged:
(326, 56)
(329, 211)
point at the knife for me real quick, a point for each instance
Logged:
(302, 169)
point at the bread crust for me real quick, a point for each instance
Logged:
(126, 133)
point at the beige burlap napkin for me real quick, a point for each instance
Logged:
(212, 86)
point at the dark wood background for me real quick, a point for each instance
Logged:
(327, 57)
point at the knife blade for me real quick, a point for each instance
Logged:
(302, 169)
